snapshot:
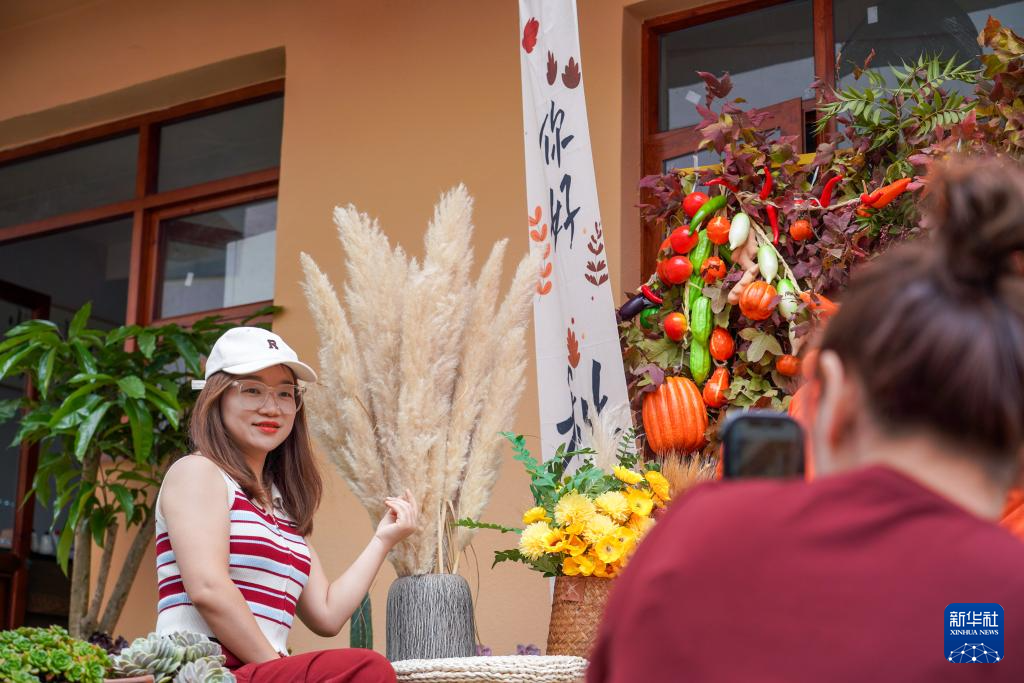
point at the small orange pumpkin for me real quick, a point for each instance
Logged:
(721, 344)
(757, 300)
(715, 388)
(675, 417)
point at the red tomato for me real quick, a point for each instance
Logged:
(721, 345)
(712, 269)
(693, 202)
(801, 230)
(714, 390)
(675, 270)
(787, 365)
(675, 326)
(718, 230)
(682, 240)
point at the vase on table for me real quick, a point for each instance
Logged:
(576, 609)
(430, 616)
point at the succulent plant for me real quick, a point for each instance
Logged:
(197, 646)
(205, 670)
(29, 655)
(156, 655)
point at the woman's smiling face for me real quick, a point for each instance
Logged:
(257, 431)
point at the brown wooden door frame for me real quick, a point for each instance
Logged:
(13, 602)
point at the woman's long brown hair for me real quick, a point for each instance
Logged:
(290, 466)
(934, 330)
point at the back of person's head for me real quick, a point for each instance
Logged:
(933, 330)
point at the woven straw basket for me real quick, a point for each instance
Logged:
(576, 614)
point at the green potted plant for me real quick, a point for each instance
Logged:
(110, 412)
(30, 655)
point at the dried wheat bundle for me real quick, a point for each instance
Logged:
(414, 394)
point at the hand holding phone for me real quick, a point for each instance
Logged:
(761, 443)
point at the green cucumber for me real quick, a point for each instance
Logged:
(700, 361)
(701, 320)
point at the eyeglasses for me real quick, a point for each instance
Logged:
(253, 395)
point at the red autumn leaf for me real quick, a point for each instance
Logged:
(717, 88)
(530, 35)
(571, 75)
(552, 69)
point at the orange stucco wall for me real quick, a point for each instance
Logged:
(387, 104)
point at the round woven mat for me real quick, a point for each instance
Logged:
(510, 669)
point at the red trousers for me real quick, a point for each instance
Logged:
(325, 666)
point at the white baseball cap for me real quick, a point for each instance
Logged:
(244, 350)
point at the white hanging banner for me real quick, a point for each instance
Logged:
(579, 363)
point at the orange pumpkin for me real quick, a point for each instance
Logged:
(675, 417)
(757, 300)
(715, 388)
(721, 344)
(787, 365)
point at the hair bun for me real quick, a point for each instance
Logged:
(976, 208)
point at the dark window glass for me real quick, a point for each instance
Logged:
(69, 180)
(73, 267)
(217, 259)
(903, 30)
(768, 52)
(220, 145)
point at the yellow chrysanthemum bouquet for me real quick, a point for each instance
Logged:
(587, 521)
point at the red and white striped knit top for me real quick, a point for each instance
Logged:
(268, 562)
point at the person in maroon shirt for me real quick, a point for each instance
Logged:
(918, 435)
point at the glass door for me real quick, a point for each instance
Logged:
(18, 462)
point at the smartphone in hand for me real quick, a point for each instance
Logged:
(760, 443)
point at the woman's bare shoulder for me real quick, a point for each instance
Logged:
(193, 470)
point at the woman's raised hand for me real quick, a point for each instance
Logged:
(400, 520)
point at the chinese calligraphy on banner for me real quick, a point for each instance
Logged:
(579, 363)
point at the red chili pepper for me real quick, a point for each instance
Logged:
(723, 182)
(773, 218)
(650, 295)
(826, 194)
(766, 189)
(890, 192)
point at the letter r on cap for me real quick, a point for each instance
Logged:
(272, 344)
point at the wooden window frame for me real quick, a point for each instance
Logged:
(656, 146)
(147, 203)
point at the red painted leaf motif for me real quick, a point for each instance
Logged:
(573, 347)
(530, 35)
(571, 76)
(552, 69)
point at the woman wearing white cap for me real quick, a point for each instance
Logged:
(233, 561)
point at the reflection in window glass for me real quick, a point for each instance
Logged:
(220, 145)
(68, 180)
(692, 160)
(769, 54)
(217, 259)
(903, 30)
(73, 267)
